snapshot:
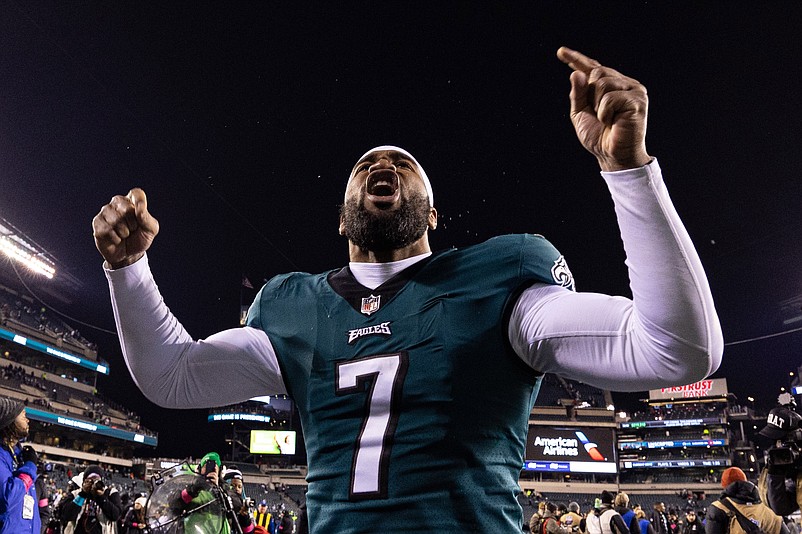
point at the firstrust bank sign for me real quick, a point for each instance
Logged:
(712, 387)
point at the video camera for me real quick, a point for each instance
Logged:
(784, 425)
(784, 460)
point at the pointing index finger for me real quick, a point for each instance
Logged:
(577, 60)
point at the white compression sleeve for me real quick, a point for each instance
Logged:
(171, 368)
(667, 335)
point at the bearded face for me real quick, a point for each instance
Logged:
(389, 230)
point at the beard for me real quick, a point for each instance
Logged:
(383, 232)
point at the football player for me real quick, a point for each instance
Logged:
(414, 372)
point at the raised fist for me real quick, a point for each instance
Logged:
(124, 229)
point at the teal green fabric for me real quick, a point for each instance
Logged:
(425, 392)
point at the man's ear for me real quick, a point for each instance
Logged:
(432, 219)
(342, 226)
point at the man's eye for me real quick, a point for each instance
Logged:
(364, 167)
(404, 164)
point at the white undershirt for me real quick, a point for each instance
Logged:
(372, 275)
(668, 334)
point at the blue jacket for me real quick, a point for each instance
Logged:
(15, 485)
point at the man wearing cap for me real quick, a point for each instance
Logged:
(783, 479)
(385, 357)
(740, 496)
(261, 516)
(236, 490)
(93, 508)
(19, 511)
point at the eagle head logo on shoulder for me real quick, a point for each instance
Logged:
(562, 274)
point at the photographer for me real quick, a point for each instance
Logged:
(93, 508)
(782, 473)
(193, 502)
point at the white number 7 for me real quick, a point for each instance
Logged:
(386, 373)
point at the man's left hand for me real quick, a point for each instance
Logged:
(609, 112)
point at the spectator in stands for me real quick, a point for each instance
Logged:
(94, 508)
(606, 520)
(659, 518)
(738, 505)
(134, 521)
(644, 525)
(571, 519)
(261, 516)
(621, 505)
(693, 523)
(19, 512)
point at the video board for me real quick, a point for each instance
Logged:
(570, 450)
(272, 442)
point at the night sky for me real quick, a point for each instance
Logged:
(242, 120)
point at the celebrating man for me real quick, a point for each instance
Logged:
(386, 357)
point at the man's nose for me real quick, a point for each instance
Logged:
(382, 163)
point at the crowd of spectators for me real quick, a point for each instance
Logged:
(64, 484)
(16, 311)
(59, 399)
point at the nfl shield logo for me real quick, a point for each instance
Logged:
(371, 304)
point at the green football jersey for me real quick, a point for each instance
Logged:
(413, 406)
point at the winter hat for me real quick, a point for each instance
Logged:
(9, 410)
(421, 172)
(607, 497)
(93, 471)
(731, 475)
(141, 501)
(229, 474)
(211, 456)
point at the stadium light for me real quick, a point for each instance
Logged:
(17, 253)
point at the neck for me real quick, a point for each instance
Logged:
(361, 255)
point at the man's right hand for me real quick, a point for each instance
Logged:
(124, 229)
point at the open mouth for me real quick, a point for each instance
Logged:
(382, 186)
